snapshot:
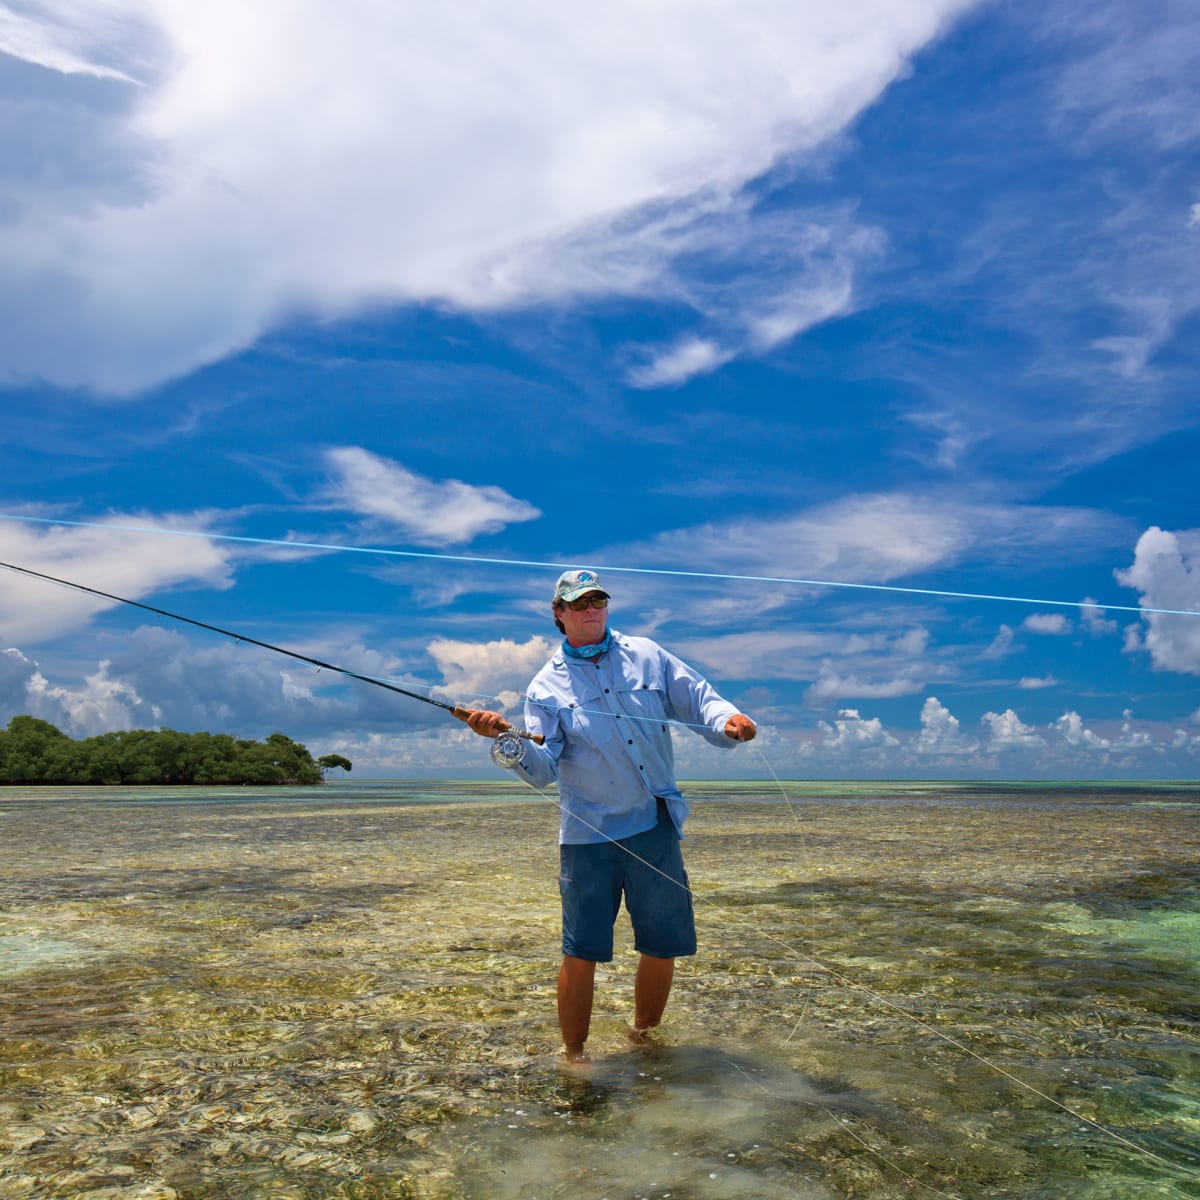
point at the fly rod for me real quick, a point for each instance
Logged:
(455, 710)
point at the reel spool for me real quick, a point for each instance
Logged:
(507, 750)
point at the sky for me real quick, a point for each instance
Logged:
(856, 345)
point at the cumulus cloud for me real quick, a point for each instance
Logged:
(157, 677)
(1032, 683)
(430, 512)
(1131, 737)
(1071, 729)
(1054, 624)
(108, 558)
(1166, 573)
(851, 732)
(1007, 732)
(99, 704)
(488, 671)
(291, 155)
(940, 734)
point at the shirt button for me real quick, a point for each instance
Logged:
(606, 691)
(630, 741)
(640, 767)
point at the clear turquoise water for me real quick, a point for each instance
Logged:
(903, 990)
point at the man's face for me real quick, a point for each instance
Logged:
(586, 626)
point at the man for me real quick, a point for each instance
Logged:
(603, 704)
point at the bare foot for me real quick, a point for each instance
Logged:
(575, 1058)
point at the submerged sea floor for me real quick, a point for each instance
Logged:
(902, 991)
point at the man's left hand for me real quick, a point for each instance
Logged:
(740, 728)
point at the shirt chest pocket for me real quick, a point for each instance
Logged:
(590, 721)
(642, 704)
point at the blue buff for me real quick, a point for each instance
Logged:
(588, 651)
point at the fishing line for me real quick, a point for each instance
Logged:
(454, 709)
(558, 566)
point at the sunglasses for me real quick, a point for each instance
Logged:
(591, 600)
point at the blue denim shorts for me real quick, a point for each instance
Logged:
(654, 884)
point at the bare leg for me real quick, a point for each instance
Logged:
(650, 991)
(576, 986)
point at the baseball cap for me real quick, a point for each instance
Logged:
(573, 584)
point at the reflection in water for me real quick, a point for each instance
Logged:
(349, 992)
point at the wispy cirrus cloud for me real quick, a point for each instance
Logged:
(884, 536)
(73, 37)
(755, 282)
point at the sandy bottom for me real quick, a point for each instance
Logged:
(900, 992)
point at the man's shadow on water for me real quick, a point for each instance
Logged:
(695, 1119)
(701, 1075)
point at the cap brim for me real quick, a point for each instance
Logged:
(576, 593)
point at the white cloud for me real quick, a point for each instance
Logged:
(1132, 738)
(430, 512)
(293, 155)
(940, 734)
(832, 684)
(879, 537)
(488, 672)
(68, 36)
(113, 560)
(1166, 573)
(1093, 619)
(852, 733)
(1146, 69)
(792, 272)
(1000, 644)
(1194, 216)
(1054, 624)
(678, 363)
(802, 653)
(98, 705)
(1006, 732)
(156, 676)
(1071, 729)
(1031, 683)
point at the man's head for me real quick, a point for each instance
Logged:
(580, 600)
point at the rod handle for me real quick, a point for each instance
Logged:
(538, 739)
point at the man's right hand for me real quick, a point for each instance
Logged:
(487, 724)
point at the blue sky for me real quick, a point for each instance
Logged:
(899, 294)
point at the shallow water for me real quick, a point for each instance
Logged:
(348, 992)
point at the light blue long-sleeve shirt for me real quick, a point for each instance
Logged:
(608, 741)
